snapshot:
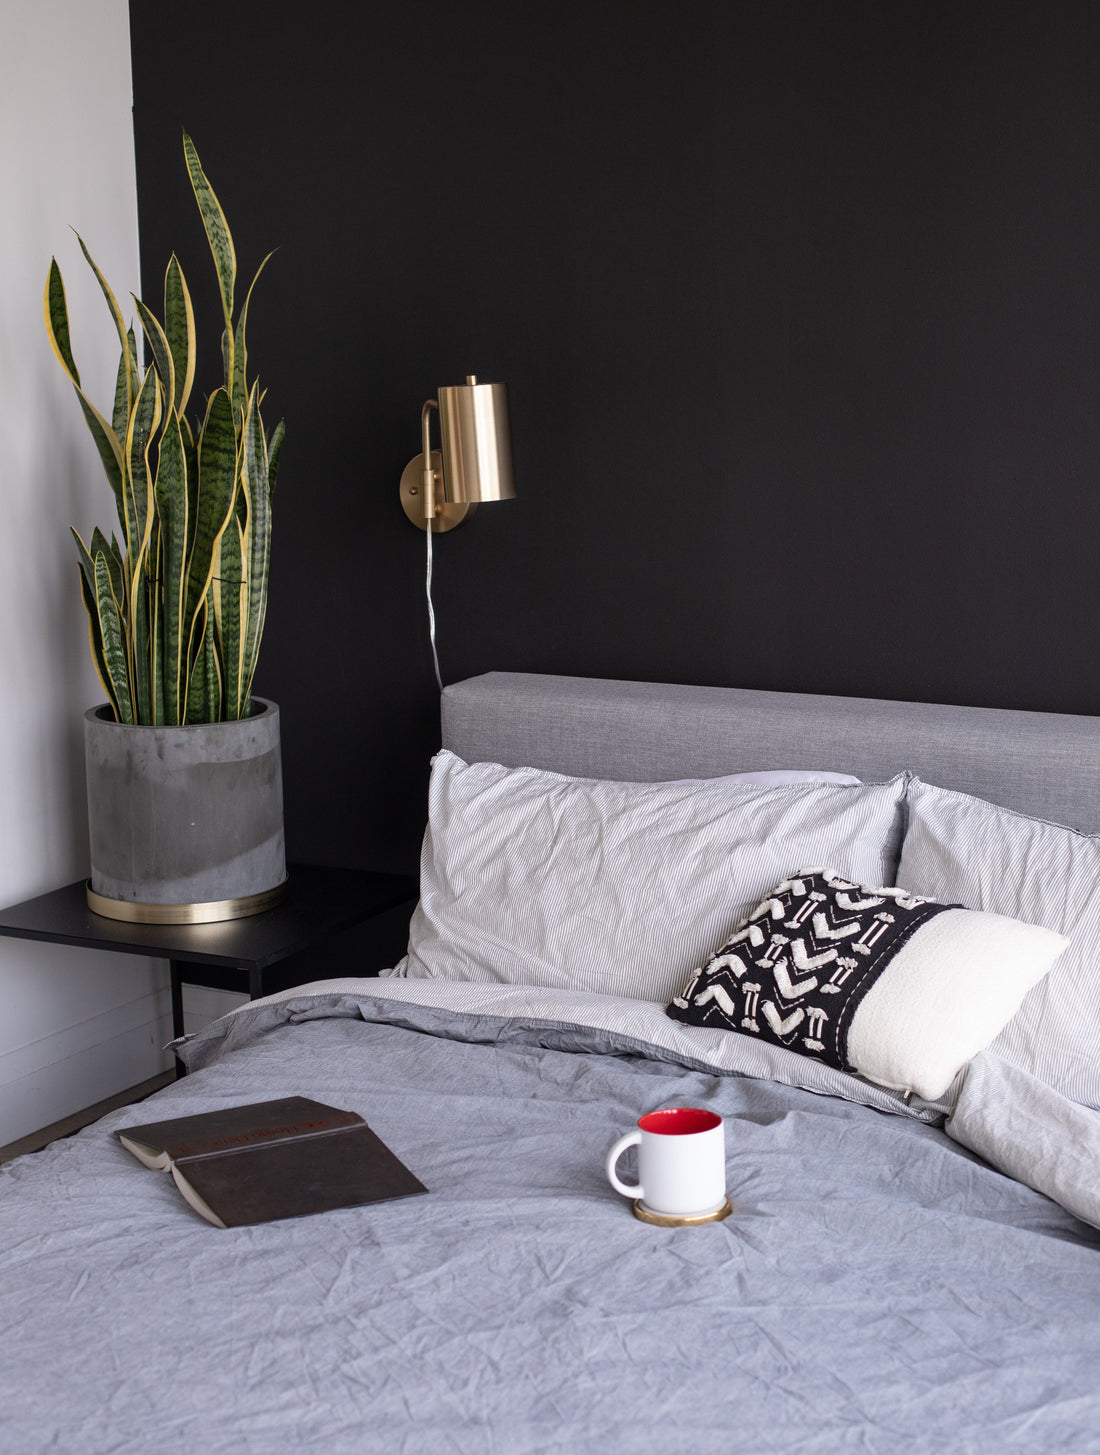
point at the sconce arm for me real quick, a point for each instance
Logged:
(429, 473)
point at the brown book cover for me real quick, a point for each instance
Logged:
(272, 1159)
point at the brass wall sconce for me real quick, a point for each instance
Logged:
(475, 463)
(442, 488)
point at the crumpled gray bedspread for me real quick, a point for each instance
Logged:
(878, 1289)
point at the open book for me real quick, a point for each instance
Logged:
(275, 1159)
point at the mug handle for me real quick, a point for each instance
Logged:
(631, 1139)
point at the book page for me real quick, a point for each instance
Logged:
(158, 1161)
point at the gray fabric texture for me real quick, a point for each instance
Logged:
(877, 1289)
(1047, 764)
(1021, 1125)
(530, 1015)
(620, 888)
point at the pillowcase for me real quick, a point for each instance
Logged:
(960, 847)
(875, 981)
(1026, 1130)
(778, 777)
(536, 878)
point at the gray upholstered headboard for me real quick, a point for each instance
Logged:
(1047, 764)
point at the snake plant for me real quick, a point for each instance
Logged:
(177, 610)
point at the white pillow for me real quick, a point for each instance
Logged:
(961, 848)
(874, 981)
(535, 878)
(778, 777)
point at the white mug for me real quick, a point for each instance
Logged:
(681, 1163)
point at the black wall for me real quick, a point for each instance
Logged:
(798, 306)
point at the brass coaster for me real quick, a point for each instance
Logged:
(664, 1220)
(208, 912)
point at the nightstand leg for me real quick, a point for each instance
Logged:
(175, 968)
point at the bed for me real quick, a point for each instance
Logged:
(901, 1272)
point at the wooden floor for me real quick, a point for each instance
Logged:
(65, 1128)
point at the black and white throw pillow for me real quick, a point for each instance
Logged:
(889, 985)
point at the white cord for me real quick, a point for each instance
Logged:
(431, 609)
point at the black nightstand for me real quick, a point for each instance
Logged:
(233, 954)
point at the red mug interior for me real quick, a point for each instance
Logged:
(680, 1121)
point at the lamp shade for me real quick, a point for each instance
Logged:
(476, 431)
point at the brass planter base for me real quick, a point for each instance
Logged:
(208, 912)
(664, 1220)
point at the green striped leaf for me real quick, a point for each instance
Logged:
(114, 561)
(274, 450)
(227, 359)
(156, 610)
(240, 348)
(57, 330)
(212, 688)
(139, 524)
(191, 460)
(139, 638)
(217, 231)
(158, 343)
(195, 709)
(120, 325)
(138, 490)
(204, 689)
(240, 362)
(217, 451)
(87, 564)
(170, 490)
(179, 329)
(254, 480)
(228, 590)
(95, 638)
(100, 549)
(112, 639)
(123, 564)
(120, 414)
(57, 321)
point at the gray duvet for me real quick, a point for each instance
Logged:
(878, 1288)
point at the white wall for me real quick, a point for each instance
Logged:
(76, 1025)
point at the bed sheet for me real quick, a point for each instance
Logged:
(878, 1288)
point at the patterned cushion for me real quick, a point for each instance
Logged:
(889, 985)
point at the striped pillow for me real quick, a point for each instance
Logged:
(962, 848)
(534, 878)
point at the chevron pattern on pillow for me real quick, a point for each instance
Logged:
(795, 971)
(883, 983)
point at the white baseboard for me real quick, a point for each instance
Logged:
(57, 1075)
(82, 1065)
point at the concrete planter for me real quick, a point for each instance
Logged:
(185, 823)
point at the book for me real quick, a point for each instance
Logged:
(272, 1159)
